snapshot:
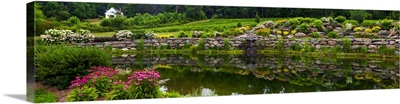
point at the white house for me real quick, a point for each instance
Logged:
(112, 12)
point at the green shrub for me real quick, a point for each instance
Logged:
(346, 45)
(280, 44)
(362, 50)
(336, 49)
(83, 94)
(258, 19)
(307, 47)
(314, 35)
(239, 24)
(386, 24)
(325, 49)
(332, 35)
(263, 32)
(385, 50)
(303, 28)
(368, 23)
(295, 47)
(119, 92)
(353, 22)
(182, 34)
(43, 96)
(201, 44)
(73, 21)
(140, 44)
(227, 44)
(340, 19)
(172, 94)
(58, 65)
(318, 24)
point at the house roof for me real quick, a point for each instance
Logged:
(111, 11)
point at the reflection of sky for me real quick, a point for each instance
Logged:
(207, 92)
(163, 88)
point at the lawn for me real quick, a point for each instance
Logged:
(104, 34)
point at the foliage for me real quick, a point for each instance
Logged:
(357, 29)
(314, 35)
(386, 24)
(263, 32)
(293, 32)
(295, 47)
(197, 34)
(123, 35)
(369, 23)
(150, 34)
(332, 35)
(43, 96)
(227, 44)
(146, 82)
(359, 15)
(280, 44)
(171, 94)
(303, 28)
(307, 47)
(84, 93)
(57, 65)
(56, 10)
(80, 36)
(385, 50)
(233, 32)
(200, 45)
(362, 49)
(98, 78)
(279, 32)
(348, 27)
(239, 24)
(367, 31)
(116, 22)
(346, 45)
(317, 24)
(182, 34)
(340, 19)
(54, 35)
(353, 22)
(140, 44)
(257, 18)
(376, 29)
(285, 33)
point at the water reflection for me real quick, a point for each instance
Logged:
(235, 75)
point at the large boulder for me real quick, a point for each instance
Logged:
(384, 32)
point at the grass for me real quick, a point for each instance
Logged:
(104, 34)
(95, 21)
(43, 96)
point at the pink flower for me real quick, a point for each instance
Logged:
(80, 94)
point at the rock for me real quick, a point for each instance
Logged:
(380, 43)
(384, 32)
(318, 46)
(124, 49)
(215, 42)
(290, 36)
(332, 43)
(322, 42)
(392, 42)
(367, 41)
(372, 47)
(355, 47)
(373, 65)
(300, 35)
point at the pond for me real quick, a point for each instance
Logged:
(206, 75)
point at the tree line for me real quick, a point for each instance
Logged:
(82, 10)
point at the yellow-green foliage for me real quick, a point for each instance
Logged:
(279, 32)
(357, 29)
(285, 33)
(281, 21)
(263, 32)
(293, 32)
(376, 29)
(368, 31)
(164, 36)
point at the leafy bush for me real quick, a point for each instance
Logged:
(197, 34)
(80, 36)
(201, 44)
(368, 23)
(367, 31)
(182, 34)
(340, 19)
(234, 32)
(336, 49)
(303, 28)
(348, 27)
(73, 21)
(258, 19)
(227, 44)
(325, 49)
(57, 65)
(317, 24)
(146, 83)
(295, 47)
(293, 32)
(123, 35)
(376, 29)
(172, 94)
(84, 93)
(332, 35)
(140, 44)
(217, 34)
(385, 50)
(346, 45)
(357, 29)
(314, 35)
(362, 50)
(150, 34)
(263, 32)
(54, 35)
(43, 96)
(353, 22)
(239, 24)
(285, 33)
(386, 24)
(279, 32)
(280, 44)
(307, 47)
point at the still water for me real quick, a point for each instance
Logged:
(207, 75)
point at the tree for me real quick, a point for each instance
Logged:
(41, 23)
(257, 18)
(360, 15)
(195, 13)
(56, 10)
(129, 10)
(83, 10)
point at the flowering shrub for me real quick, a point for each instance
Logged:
(357, 29)
(279, 32)
(263, 32)
(99, 77)
(150, 34)
(348, 26)
(124, 35)
(54, 35)
(293, 32)
(376, 29)
(146, 82)
(84, 93)
(285, 33)
(217, 33)
(197, 34)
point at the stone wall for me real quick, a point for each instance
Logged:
(372, 45)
